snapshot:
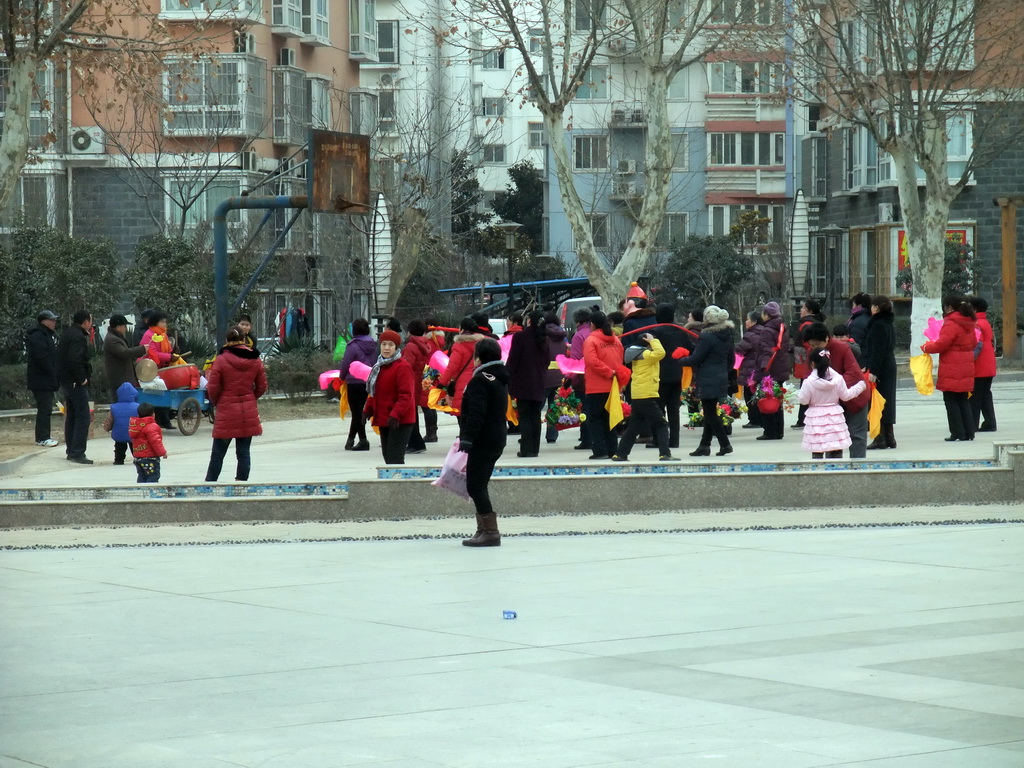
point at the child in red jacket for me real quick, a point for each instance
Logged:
(147, 444)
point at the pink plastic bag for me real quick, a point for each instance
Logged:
(453, 472)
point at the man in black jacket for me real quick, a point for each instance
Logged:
(482, 435)
(74, 372)
(41, 349)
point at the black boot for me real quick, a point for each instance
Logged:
(702, 450)
(486, 532)
(724, 449)
(879, 442)
(350, 444)
(890, 435)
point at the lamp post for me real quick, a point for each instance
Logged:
(509, 229)
(832, 233)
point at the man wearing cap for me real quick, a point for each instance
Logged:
(118, 358)
(638, 314)
(74, 372)
(41, 348)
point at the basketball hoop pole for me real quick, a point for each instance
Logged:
(220, 247)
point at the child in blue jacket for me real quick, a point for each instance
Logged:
(116, 424)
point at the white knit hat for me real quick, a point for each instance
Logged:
(713, 314)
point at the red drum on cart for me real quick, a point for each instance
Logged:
(180, 376)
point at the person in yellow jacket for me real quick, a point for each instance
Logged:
(645, 357)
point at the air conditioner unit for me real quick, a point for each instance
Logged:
(626, 167)
(624, 189)
(87, 141)
(886, 212)
(286, 57)
(244, 42)
(249, 161)
(618, 115)
(387, 81)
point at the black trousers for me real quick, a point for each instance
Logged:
(646, 417)
(529, 425)
(356, 403)
(121, 451)
(550, 430)
(579, 387)
(668, 396)
(76, 419)
(713, 426)
(44, 410)
(393, 442)
(958, 415)
(479, 467)
(602, 438)
(981, 404)
(774, 423)
(429, 421)
(753, 415)
(416, 442)
(242, 455)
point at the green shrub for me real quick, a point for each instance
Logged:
(295, 366)
(13, 392)
(901, 326)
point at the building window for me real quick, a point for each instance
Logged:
(318, 92)
(745, 77)
(819, 166)
(959, 144)
(590, 153)
(493, 106)
(225, 97)
(752, 149)
(599, 230)
(287, 13)
(193, 199)
(362, 112)
(218, 9)
(387, 110)
(494, 59)
(362, 27)
(40, 120)
(673, 231)
(723, 217)
(595, 85)
(760, 12)
(536, 40)
(680, 151)
(587, 14)
(536, 134)
(494, 154)
(291, 108)
(387, 42)
(316, 20)
(33, 201)
(678, 88)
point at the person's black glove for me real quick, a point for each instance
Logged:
(393, 423)
(465, 446)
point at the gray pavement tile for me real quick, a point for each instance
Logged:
(1002, 668)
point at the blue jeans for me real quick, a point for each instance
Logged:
(220, 449)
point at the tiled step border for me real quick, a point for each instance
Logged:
(175, 492)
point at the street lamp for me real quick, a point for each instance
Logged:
(509, 229)
(832, 234)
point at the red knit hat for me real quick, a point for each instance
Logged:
(635, 292)
(391, 336)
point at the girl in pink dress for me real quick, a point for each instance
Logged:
(825, 430)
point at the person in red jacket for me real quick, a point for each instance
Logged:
(984, 371)
(603, 356)
(236, 380)
(147, 444)
(460, 360)
(955, 347)
(417, 352)
(391, 404)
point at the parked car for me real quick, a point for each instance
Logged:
(567, 308)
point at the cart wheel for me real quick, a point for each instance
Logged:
(188, 416)
(210, 413)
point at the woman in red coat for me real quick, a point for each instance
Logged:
(602, 354)
(460, 360)
(984, 372)
(955, 347)
(417, 352)
(236, 380)
(391, 404)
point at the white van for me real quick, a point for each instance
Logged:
(567, 308)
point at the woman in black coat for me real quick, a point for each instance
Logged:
(712, 360)
(482, 436)
(527, 365)
(880, 361)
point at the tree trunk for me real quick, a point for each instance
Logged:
(14, 140)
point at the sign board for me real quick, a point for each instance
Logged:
(963, 235)
(339, 173)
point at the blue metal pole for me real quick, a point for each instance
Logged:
(220, 245)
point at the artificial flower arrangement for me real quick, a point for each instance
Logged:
(769, 395)
(566, 411)
(430, 377)
(729, 409)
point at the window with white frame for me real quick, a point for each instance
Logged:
(672, 233)
(219, 9)
(387, 42)
(590, 153)
(291, 108)
(536, 134)
(745, 77)
(680, 151)
(493, 59)
(594, 86)
(599, 225)
(678, 87)
(494, 153)
(33, 200)
(857, 41)
(493, 106)
(223, 97)
(362, 107)
(959, 144)
(758, 12)
(387, 109)
(198, 196)
(318, 93)
(819, 166)
(941, 32)
(588, 14)
(362, 27)
(722, 217)
(536, 40)
(40, 120)
(287, 13)
(316, 20)
(751, 149)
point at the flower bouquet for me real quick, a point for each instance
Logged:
(430, 377)
(566, 411)
(768, 395)
(729, 409)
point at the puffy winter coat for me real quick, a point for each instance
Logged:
(159, 347)
(844, 362)
(603, 358)
(955, 347)
(482, 423)
(768, 335)
(985, 362)
(641, 318)
(527, 365)
(119, 360)
(394, 395)
(647, 371)
(880, 359)
(146, 437)
(122, 412)
(672, 338)
(711, 360)
(417, 352)
(236, 379)
(747, 348)
(41, 346)
(858, 324)
(557, 345)
(362, 349)
(460, 365)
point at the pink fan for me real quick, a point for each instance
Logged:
(931, 331)
(505, 342)
(569, 366)
(439, 361)
(327, 377)
(359, 370)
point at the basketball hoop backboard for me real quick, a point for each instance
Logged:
(339, 172)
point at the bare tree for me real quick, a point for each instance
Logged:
(916, 75)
